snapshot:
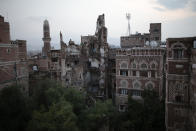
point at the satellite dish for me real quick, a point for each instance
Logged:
(147, 43)
(153, 44)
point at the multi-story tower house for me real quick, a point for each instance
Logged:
(13, 59)
(46, 39)
(155, 32)
(193, 88)
(138, 69)
(180, 85)
(139, 65)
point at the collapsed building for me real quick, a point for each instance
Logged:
(83, 65)
(13, 59)
(95, 52)
(71, 64)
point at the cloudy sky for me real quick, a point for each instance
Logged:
(78, 17)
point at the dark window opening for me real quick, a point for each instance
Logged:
(143, 66)
(156, 38)
(124, 72)
(20, 44)
(136, 93)
(76, 62)
(153, 66)
(178, 53)
(113, 70)
(146, 39)
(178, 98)
(156, 30)
(134, 73)
(68, 65)
(134, 65)
(122, 107)
(89, 64)
(153, 74)
(144, 73)
(54, 59)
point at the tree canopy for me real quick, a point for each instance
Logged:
(52, 107)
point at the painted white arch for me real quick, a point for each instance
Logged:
(124, 65)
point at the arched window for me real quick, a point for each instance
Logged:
(153, 65)
(136, 85)
(150, 86)
(123, 65)
(133, 65)
(178, 50)
(143, 66)
(124, 83)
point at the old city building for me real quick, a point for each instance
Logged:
(180, 84)
(192, 93)
(95, 53)
(13, 59)
(83, 65)
(106, 72)
(71, 65)
(139, 65)
(139, 40)
(137, 69)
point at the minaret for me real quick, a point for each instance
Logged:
(46, 38)
(61, 37)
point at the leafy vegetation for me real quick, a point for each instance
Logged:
(52, 107)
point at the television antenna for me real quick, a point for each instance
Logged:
(128, 16)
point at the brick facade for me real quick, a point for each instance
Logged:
(13, 59)
(137, 69)
(178, 84)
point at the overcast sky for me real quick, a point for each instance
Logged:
(78, 17)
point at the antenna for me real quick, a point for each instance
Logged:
(128, 16)
(7, 16)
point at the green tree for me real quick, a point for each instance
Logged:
(98, 116)
(59, 118)
(143, 115)
(76, 99)
(14, 112)
(44, 93)
(154, 111)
